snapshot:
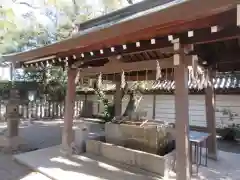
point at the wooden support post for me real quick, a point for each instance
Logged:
(118, 99)
(154, 107)
(84, 111)
(67, 136)
(210, 116)
(49, 109)
(182, 116)
(238, 15)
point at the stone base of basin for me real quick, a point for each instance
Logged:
(147, 161)
(147, 139)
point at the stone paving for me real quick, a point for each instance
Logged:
(53, 164)
(39, 135)
(11, 170)
(46, 134)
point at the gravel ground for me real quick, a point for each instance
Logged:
(39, 134)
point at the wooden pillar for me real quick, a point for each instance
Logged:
(210, 116)
(154, 107)
(182, 115)
(67, 135)
(118, 99)
(85, 103)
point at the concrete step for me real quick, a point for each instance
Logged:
(115, 166)
(53, 164)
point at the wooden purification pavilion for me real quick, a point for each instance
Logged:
(177, 36)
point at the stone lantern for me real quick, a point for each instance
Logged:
(12, 113)
(31, 98)
(11, 140)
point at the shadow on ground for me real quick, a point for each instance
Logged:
(229, 146)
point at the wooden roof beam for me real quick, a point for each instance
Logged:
(238, 15)
(224, 19)
(130, 48)
(146, 77)
(215, 29)
(118, 67)
(223, 67)
(201, 36)
(206, 36)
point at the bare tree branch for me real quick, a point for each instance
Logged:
(27, 4)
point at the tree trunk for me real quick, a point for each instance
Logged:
(131, 106)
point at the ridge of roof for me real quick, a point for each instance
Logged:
(123, 13)
(92, 26)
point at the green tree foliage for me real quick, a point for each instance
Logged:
(6, 24)
(51, 79)
(14, 37)
(6, 19)
(109, 108)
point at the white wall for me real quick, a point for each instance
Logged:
(230, 102)
(165, 107)
(5, 74)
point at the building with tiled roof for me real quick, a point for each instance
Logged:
(223, 84)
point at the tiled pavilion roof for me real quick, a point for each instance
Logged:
(147, 26)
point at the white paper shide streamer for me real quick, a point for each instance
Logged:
(207, 80)
(100, 80)
(90, 82)
(158, 71)
(123, 81)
